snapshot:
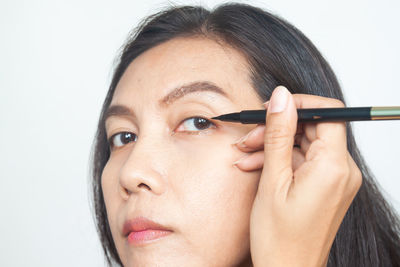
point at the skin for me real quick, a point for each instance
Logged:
(221, 213)
(303, 193)
(192, 185)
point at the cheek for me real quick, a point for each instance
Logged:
(217, 198)
(208, 199)
(112, 200)
(109, 183)
(209, 174)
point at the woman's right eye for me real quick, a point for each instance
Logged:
(121, 139)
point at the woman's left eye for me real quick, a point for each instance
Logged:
(196, 124)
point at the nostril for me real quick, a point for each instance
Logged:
(127, 191)
(144, 185)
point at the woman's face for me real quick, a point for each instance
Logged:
(178, 170)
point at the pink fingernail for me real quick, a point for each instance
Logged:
(242, 140)
(279, 100)
(239, 160)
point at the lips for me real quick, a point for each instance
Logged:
(141, 231)
(139, 224)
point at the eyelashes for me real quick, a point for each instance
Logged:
(198, 122)
(195, 125)
(120, 139)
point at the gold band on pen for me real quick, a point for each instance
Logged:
(385, 113)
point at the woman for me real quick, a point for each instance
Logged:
(172, 187)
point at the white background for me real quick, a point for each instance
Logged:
(55, 67)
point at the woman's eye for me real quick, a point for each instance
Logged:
(121, 139)
(196, 124)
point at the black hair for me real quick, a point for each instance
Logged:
(277, 54)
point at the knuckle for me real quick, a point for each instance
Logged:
(357, 177)
(345, 180)
(341, 178)
(336, 174)
(277, 137)
(341, 172)
(356, 174)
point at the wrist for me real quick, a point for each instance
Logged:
(293, 260)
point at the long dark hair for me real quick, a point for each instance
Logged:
(278, 54)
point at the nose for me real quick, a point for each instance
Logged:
(144, 169)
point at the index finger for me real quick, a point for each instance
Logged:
(331, 133)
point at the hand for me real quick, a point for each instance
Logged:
(303, 193)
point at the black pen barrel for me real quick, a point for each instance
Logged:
(252, 116)
(334, 114)
(315, 114)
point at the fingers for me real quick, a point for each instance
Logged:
(333, 134)
(303, 141)
(251, 162)
(355, 175)
(253, 141)
(325, 131)
(297, 158)
(255, 161)
(276, 141)
(280, 128)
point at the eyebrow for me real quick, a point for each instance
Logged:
(175, 94)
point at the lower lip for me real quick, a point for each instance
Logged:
(143, 237)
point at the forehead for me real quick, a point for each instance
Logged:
(153, 74)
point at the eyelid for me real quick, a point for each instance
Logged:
(112, 145)
(214, 125)
(116, 131)
(118, 126)
(197, 116)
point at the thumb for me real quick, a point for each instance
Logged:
(281, 125)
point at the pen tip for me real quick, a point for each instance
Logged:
(232, 117)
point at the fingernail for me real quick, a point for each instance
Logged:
(240, 160)
(279, 100)
(241, 140)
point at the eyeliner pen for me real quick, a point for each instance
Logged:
(319, 114)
